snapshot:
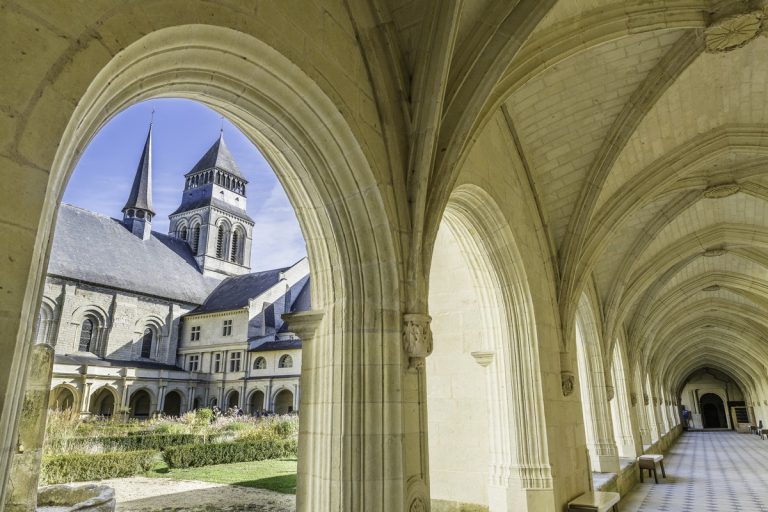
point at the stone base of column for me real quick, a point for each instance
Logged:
(501, 499)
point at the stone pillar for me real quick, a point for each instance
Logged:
(86, 393)
(624, 414)
(597, 414)
(25, 466)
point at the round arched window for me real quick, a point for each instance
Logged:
(260, 363)
(286, 361)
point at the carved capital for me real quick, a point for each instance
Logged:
(567, 381)
(304, 324)
(646, 400)
(417, 338)
(417, 505)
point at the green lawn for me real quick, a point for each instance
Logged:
(276, 475)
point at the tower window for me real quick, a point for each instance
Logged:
(194, 333)
(234, 253)
(86, 335)
(227, 330)
(195, 238)
(220, 243)
(146, 343)
(286, 361)
(260, 364)
(234, 361)
(183, 233)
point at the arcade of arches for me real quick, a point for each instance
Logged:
(572, 191)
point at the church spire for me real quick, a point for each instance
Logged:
(137, 212)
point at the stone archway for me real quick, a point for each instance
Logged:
(63, 398)
(172, 404)
(712, 411)
(256, 402)
(141, 404)
(233, 399)
(489, 356)
(283, 402)
(103, 403)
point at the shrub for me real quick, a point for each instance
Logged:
(194, 455)
(123, 443)
(77, 467)
(204, 416)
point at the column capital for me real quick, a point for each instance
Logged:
(417, 338)
(304, 323)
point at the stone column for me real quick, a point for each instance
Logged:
(597, 414)
(625, 414)
(25, 466)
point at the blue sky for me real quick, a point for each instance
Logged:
(183, 131)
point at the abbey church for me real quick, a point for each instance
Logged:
(537, 232)
(145, 323)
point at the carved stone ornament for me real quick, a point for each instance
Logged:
(417, 505)
(610, 392)
(646, 401)
(714, 252)
(655, 401)
(417, 338)
(633, 399)
(713, 288)
(733, 32)
(721, 191)
(567, 381)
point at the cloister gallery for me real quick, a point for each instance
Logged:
(536, 228)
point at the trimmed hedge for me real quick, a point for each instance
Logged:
(78, 467)
(129, 443)
(195, 455)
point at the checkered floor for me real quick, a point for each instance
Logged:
(707, 471)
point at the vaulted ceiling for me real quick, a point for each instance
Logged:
(645, 128)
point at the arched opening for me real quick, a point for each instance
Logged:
(286, 361)
(483, 402)
(256, 403)
(103, 403)
(233, 399)
(63, 398)
(172, 404)
(283, 402)
(712, 411)
(196, 403)
(140, 404)
(325, 172)
(87, 335)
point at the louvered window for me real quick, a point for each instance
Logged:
(220, 243)
(234, 256)
(183, 234)
(195, 238)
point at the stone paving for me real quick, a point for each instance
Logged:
(707, 471)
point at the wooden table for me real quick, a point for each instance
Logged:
(596, 502)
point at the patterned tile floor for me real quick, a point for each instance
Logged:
(707, 471)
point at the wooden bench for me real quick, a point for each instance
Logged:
(648, 462)
(596, 502)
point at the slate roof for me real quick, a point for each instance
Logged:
(218, 156)
(92, 360)
(141, 192)
(235, 292)
(216, 203)
(285, 344)
(100, 250)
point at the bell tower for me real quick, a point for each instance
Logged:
(137, 212)
(212, 217)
